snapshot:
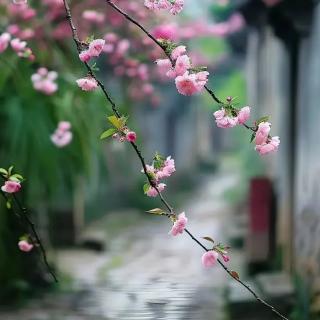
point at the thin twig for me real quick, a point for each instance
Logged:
(24, 214)
(135, 147)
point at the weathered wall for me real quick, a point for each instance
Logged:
(307, 186)
(268, 78)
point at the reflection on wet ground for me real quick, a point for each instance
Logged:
(145, 273)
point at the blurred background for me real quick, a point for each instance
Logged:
(113, 260)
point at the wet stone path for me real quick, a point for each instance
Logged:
(145, 274)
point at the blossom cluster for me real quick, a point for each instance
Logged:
(12, 182)
(62, 135)
(264, 142)
(188, 80)
(44, 81)
(174, 6)
(18, 46)
(228, 118)
(94, 50)
(161, 168)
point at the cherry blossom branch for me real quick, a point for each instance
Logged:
(149, 35)
(171, 214)
(24, 214)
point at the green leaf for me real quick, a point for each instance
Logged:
(3, 171)
(208, 239)
(10, 170)
(16, 177)
(108, 133)
(262, 119)
(157, 211)
(117, 122)
(146, 187)
(252, 137)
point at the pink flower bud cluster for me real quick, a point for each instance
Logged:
(125, 135)
(174, 6)
(62, 135)
(187, 81)
(179, 225)
(19, 46)
(44, 81)
(264, 143)
(11, 186)
(166, 169)
(94, 50)
(226, 118)
(25, 246)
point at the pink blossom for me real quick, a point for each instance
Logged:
(64, 125)
(210, 258)
(11, 186)
(189, 84)
(173, 6)
(93, 16)
(263, 133)
(179, 225)
(4, 41)
(96, 47)
(131, 136)
(270, 146)
(123, 47)
(182, 65)
(43, 81)
(177, 52)
(87, 83)
(167, 170)
(18, 45)
(61, 138)
(25, 246)
(177, 7)
(223, 120)
(152, 192)
(243, 115)
(85, 56)
(166, 31)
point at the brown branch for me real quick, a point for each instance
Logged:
(24, 214)
(135, 147)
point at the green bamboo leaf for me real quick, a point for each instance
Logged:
(108, 133)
